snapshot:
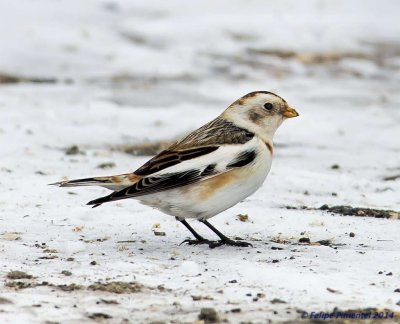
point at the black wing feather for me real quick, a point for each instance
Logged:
(210, 136)
(204, 140)
(154, 184)
(168, 158)
(243, 159)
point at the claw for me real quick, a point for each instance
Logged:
(195, 242)
(213, 245)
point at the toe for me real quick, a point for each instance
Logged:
(195, 242)
(213, 245)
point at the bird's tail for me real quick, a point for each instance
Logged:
(116, 182)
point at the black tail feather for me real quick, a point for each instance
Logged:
(99, 201)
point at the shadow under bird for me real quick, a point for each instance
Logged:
(208, 171)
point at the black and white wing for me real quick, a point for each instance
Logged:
(216, 148)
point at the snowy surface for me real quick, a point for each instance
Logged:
(128, 72)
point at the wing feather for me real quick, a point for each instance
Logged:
(201, 169)
(217, 132)
(169, 158)
(201, 142)
(155, 184)
(213, 149)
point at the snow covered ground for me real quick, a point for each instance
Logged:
(103, 74)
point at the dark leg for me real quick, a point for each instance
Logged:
(199, 239)
(224, 239)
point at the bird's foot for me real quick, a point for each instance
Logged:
(228, 241)
(197, 241)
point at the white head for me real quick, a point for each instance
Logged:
(260, 112)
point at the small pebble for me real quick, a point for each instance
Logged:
(209, 315)
(66, 273)
(73, 150)
(243, 217)
(159, 233)
(277, 301)
(106, 165)
(304, 240)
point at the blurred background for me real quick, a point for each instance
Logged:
(168, 54)
(96, 87)
(197, 51)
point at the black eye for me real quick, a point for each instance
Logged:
(268, 106)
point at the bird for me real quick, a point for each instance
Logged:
(208, 171)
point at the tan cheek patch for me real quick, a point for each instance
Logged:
(255, 117)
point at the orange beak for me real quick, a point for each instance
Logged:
(290, 112)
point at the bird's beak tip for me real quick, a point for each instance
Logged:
(290, 112)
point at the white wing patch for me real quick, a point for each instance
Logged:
(186, 172)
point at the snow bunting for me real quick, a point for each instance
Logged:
(209, 170)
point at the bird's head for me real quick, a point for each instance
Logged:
(261, 112)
